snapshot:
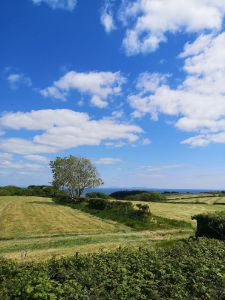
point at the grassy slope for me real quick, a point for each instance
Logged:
(34, 216)
(42, 228)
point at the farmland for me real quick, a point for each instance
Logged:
(37, 228)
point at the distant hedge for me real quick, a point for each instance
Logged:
(120, 195)
(147, 197)
(32, 190)
(211, 225)
(97, 195)
(139, 196)
(187, 270)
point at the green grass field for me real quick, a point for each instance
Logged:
(37, 228)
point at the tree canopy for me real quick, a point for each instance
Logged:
(74, 174)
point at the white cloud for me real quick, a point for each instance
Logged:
(23, 146)
(148, 21)
(198, 102)
(58, 4)
(5, 156)
(98, 85)
(146, 142)
(107, 19)
(17, 79)
(7, 162)
(149, 82)
(38, 158)
(63, 129)
(108, 161)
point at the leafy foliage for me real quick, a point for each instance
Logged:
(32, 190)
(188, 270)
(121, 195)
(125, 212)
(147, 197)
(97, 203)
(137, 195)
(73, 174)
(98, 195)
(211, 225)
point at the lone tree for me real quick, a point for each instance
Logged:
(74, 174)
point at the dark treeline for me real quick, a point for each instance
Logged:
(32, 190)
(138, 195)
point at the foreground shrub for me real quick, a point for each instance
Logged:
(188, 270)
(211, 225)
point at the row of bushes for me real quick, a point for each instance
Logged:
(187, 270)
(121, 207)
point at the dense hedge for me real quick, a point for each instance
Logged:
(147, 197)
(97, 203)
(124, 207)
(97, 195)
(121, 195)
(188, 270)
(211, 225)
(138, 196)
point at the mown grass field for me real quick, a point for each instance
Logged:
(37, 228)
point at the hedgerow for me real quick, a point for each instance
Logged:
(211, 225)
(188, 270)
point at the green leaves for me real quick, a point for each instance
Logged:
(73, 174)
(191, 269)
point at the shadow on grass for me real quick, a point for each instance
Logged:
(44, 203)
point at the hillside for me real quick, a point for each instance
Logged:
(37, 228)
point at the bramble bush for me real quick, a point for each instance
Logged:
(191, 269)
(211, 225)
(120, 207)
(97, 203)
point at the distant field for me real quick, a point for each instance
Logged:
(182, 211)
(205, 198)
(37, 228)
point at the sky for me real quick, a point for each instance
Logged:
(136, 86)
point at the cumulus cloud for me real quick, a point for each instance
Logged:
(99, 86)
(148, 21)
(63, 129)
(58, 4)
(107, 19)
(7, 162)
(199, 101)
(17, 79)
(108, 161)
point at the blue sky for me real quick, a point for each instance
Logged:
(135, 86)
